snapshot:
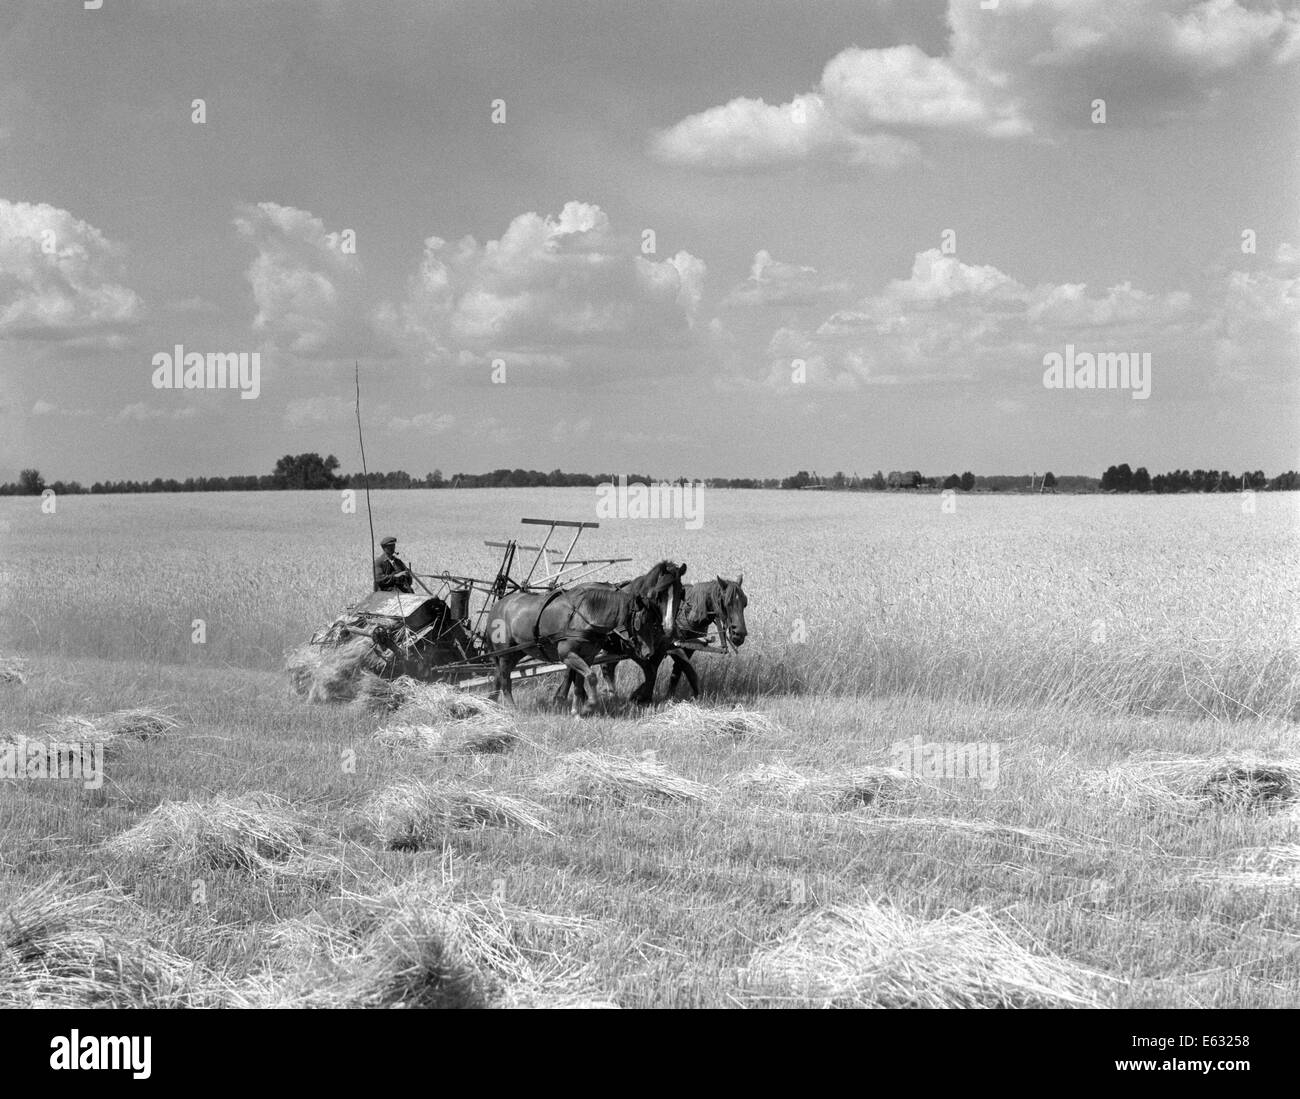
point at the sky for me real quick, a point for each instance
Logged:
(704, 238)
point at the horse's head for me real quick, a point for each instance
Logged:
(663, 585)
(732, 602)
(645, 626)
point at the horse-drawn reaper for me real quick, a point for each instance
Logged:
(486, 634)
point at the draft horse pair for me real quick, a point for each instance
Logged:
(643, 620)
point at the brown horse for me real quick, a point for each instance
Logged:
(718, 603)
(571, 625)
(662, 585)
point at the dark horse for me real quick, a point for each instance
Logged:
(718, 603)
(571, 625)
(661, 585)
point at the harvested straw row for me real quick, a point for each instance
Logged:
(1234, 782)
(138, 723)
(593, 777)
(850, 788)
(63, 945)
(415, 946)
(690, 719)
(435, 702)
(870, 955)
(256, 832)
(485, 734)
(412, 815)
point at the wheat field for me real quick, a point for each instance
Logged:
(1129, 663)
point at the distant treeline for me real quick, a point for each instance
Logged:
(311, 471)
(1123, 479)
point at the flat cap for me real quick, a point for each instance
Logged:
(389, 541)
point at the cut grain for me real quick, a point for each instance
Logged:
(255, 832)
(412, 815)
(850, 788)
(871, 955)
(592, 777)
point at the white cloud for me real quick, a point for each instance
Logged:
(307, 288)
(430, 423)
(951, 321)
(902, 86)
(1255, 327)
(751, 134)
(550, 287)
(772, 282)
(59, 277)
(1021, 67)
(1150, 61)
(143, 413)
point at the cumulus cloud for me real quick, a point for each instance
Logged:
(772, 282)
(1021, 67)
(549, 287)
(306, 285)
(950, 320)
(1255, 326)
(752, 134)
(59, 277)
(1150, 61)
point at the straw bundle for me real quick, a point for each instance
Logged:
(591, 777)
(412, 815)
(870, 955)
(256, 832)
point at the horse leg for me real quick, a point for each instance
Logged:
(645, 694)
(682, 665)
(562, 690)
(505, 665)
(583, 674)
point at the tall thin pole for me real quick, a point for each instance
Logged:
(365, 473)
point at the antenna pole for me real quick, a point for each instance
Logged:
(365, 473)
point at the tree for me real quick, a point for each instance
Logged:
(30, 482)
(1049, 480)
(951, 481)
(306, 471)
(1117, 478)
(1141, 480)
(967, 481)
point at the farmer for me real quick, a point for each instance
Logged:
(391, 572)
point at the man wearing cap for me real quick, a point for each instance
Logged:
(391, 573)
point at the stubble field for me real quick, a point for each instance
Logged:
(1125, 669)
